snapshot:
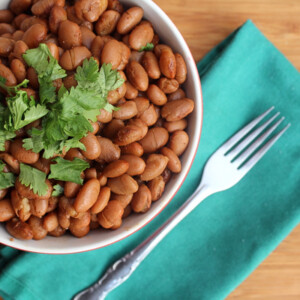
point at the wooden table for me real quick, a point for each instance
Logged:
(204, 23)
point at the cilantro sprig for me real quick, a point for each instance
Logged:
(69, 117)
(66, 170)
(33, 178)
(148, 47)
(6, 179)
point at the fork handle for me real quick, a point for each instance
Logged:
(121, 270)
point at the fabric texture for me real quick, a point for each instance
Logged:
(225, 238)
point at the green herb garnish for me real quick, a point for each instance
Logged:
(58, 190)
(66, 170)
(6, 179)
(148, 47)
(33, 178)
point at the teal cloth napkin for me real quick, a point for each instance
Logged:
(224, 239)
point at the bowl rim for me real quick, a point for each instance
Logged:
(197, 140)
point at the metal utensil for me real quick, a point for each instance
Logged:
(226, 167)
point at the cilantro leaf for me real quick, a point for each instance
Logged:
(57, 190)
(109, 79)
(87, 74)
(148, 47)
(48, 70)
(23, 111)
(33, 178)
(11, 90)
(6, 179)
(66, 170)
(4, 136)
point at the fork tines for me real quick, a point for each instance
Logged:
(246, 147)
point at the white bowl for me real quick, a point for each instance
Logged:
(170, 35)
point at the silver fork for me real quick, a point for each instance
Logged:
(226, 167)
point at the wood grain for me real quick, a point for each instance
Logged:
(204, 24)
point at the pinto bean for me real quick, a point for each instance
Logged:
(34, 35)
(97, 46)
(19, 229)
(112, 53)
(156, 138)
(6, 16)
(167, 85)
(6, 46)
(71, 189)
(50, 221)
(177, 109)
(111, 215)
(109, 150)
(133, 149)
(87, 196)
(8, 75)
(150, 63)
(57, 15)
(27, 192)
(43, 7)
(122, 185)
(19, 70)
(131, 91)
(28, 22)
(155, 165)
(141, 35)
(20, 205)
(6, 210)
(142, 105)
(134, 131)
(116, 168)
(156, 187)
(175, 125)
(13, 163)
(52, 204)
(115, 95)
(102, 179)
(33, 78)
(18, 35)
(6, 28)
(57, 232)
(137, 76)
(90, 173)
(19, 6)
(3, 193)
(88, 36)
(123, 199)
(105, 116)
(174, 164)
(93, 148)
(115, 5)
(126, 111)
(136, 164)
(38, 207)
(167, 63)
(179, 141)
(181, 69)
(111, 129)
(102, 200)
(73, 153)
(70, 82)
(107, 22)
(130, 19)
(19, 49)
(156, 95)
(90, 10)
(79, 232)
(136, 56)
(21, 154)
(36, 225)
(150, 115)
(74, 57)
(53, 50)
(141, 201)
(177, 95)
(69, 35)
